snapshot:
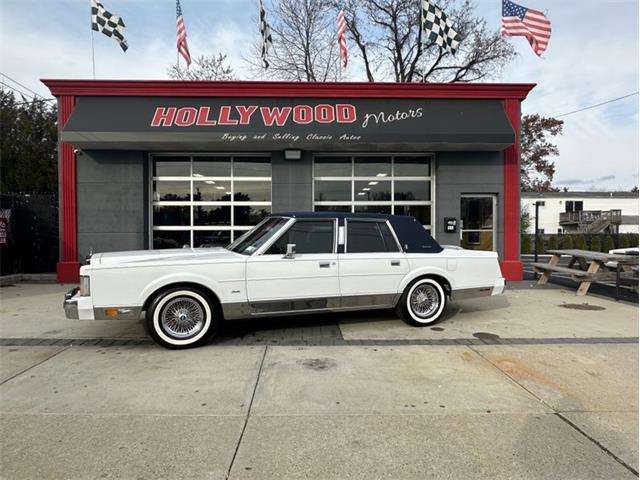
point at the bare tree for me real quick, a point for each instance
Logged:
(213, 67)
(305, 47)
(386, 38)
(391, 43)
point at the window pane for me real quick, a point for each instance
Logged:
(171, 216)
(171, 167)
(166, 239)
(248, 215)
(477, 240)
(411, 167)
(412, 190)
(373, 209)
(372, 191)
(211, 167)
(252, 166)
(476, 213)
(211, 239)
(252, 240)
(308, 236)
(211, 215)
(332, 191)
(252, 191)
(333, 208)
(369, 237)
(422, 213)
(171, 191)
(332, 166)
(212, 191)
(372, 167)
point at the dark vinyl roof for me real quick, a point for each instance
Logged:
(411, 234)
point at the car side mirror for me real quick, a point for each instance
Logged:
(291, 250)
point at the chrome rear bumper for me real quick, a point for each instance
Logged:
(70, 304)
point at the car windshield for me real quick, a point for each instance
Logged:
(258, 236)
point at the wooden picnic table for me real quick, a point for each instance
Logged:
(586, 267)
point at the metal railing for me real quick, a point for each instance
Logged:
(589, 216)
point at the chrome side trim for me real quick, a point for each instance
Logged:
(239, 310)
(466, 293)
(124, 313)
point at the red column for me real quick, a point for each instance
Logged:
(68, 268)
(511, 265)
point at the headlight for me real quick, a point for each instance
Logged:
(85, 286)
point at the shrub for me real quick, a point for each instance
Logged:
(552, 244)
(525, 244)
(596, 244)
(608, 243)
(633, 239)
(623, 241)
(567, 242)
(540, 245)
(581, 242)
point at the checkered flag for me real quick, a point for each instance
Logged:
(265, 32)
(107, 23)
(438, 28)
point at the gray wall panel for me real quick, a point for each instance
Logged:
(112, 197)
(460, 173)
(111, 242)
(292, 183)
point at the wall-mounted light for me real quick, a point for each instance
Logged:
(292, 154)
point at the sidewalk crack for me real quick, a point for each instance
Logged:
(246, 418)
(559, 414)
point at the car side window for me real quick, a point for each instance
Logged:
(369, 237)
(309, 236)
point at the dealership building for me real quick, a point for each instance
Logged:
(164, 164)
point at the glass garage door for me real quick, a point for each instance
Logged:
(207, 200)
(392, 184)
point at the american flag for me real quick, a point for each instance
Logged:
(342, 38)
(526, 22)
(183, 48)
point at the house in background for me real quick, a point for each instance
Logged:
(582, 212)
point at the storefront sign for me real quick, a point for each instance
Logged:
(279, 123)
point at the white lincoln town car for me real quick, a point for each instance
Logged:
(290, 263)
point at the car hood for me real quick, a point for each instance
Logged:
(139, 257)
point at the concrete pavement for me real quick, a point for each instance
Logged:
(335, 411)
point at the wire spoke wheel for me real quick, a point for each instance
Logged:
(182, 317)
(424, 300)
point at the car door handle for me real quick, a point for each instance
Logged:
(325, 264)
(395, 263)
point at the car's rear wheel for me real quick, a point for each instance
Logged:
(422, 303)
(181, 318)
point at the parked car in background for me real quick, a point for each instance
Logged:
(290, 263)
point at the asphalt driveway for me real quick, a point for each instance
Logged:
(534, 384)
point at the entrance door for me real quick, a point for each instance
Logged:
(478, 222)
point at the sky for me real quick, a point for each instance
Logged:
(592, 57)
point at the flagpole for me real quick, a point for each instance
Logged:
(93, 53)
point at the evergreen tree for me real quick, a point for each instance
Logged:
(28, 140)
(567, 242)
(596, 243)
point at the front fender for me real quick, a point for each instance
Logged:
(174, 278)
(424, 271)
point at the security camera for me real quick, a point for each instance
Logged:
(75, 151)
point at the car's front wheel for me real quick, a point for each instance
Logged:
(422, 303)
(181, 318)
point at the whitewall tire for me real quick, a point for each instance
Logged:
(181, 318)
(422, 303)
